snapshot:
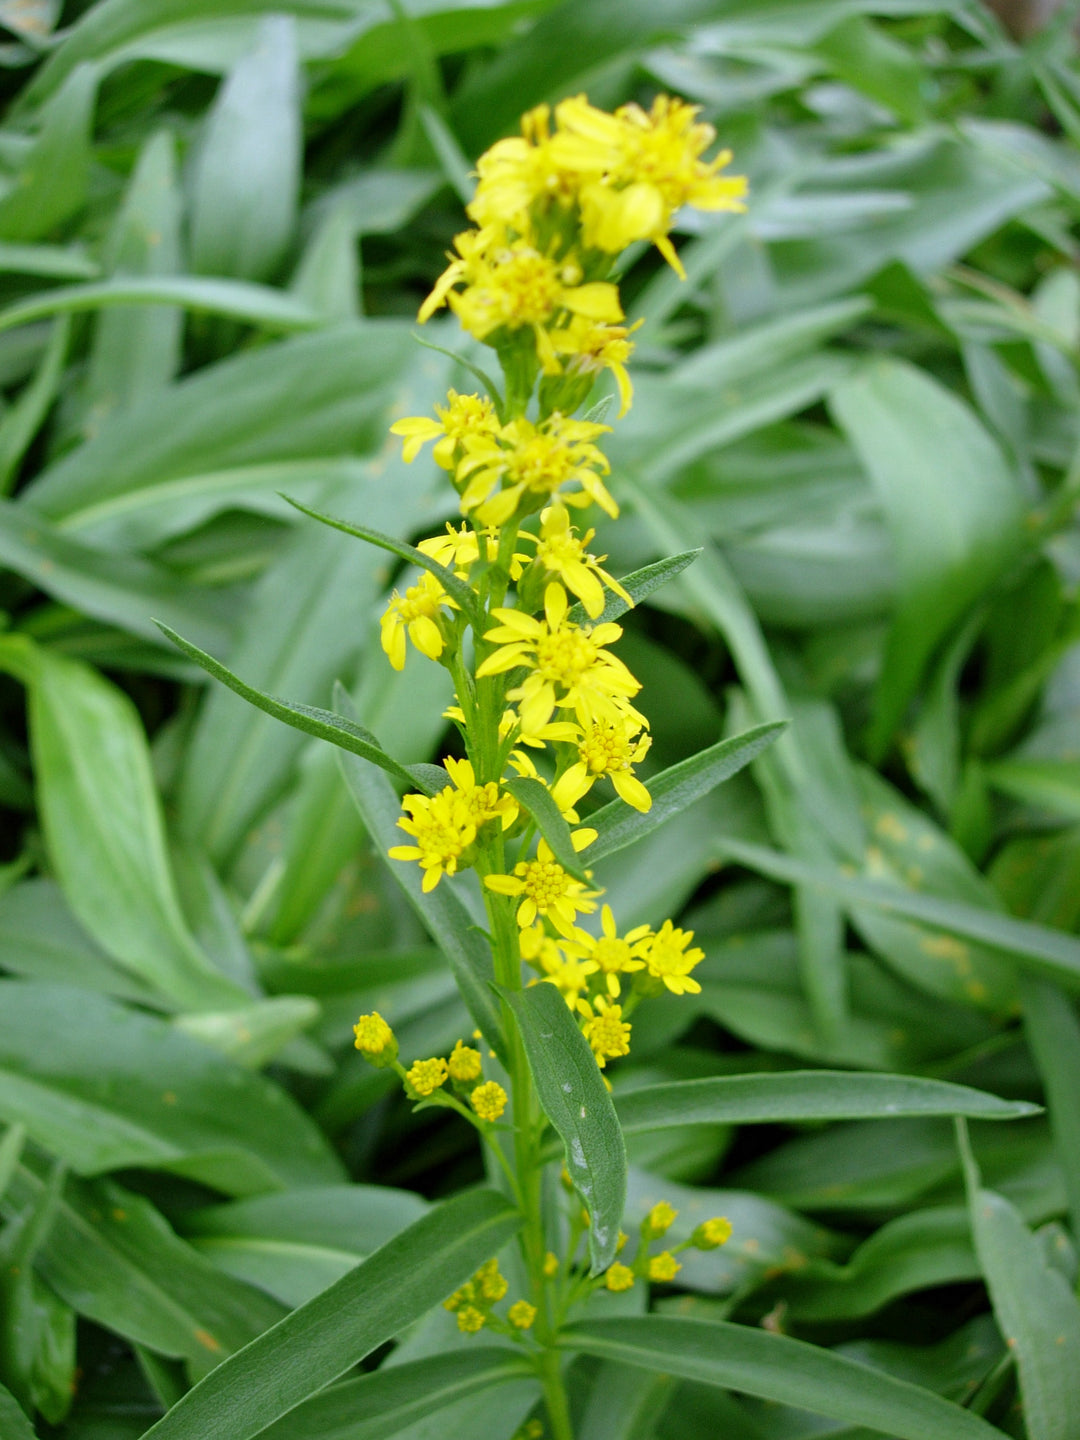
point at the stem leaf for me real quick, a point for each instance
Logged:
(576, 1101)
(535, 797)
(639, 584)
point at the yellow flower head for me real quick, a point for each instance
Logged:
(510, 284)
(490, 1284)
(588, 346)
(425, 1076)
(664, 1266)
(483, 802)
(416, 613)
(561, 551)
(546, 889)
(443, 827)
(609, 953)
(711, 1234)
(606, 1031)
(563, 967)
(488, 1100)
(669, 960)
(521, 1314)
(517, 177)
(470, 1320)
(659, 1220)
(460, 549)
(619, 1277)
(526, 464)
(464, 416)
(551, 1264)
(570, 667)
(610, 747)
(464, 1063)
(375, 1040)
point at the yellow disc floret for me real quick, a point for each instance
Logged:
(470, 1319)
(619, 1277)
(442, 827)
(521, 1314)
(464, 1063)
(375, 1040)
(664, 1266)
(546, 889)
(488, 1100)
(711, 1234)
(606, 1031)
(425, 1076)
(659, 1220)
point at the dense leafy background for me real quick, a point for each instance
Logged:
(216, 220)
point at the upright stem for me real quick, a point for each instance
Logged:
(555, 1396)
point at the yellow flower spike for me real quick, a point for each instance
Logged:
(619, 1277)
(663, 1267)
(443, 827)
(658, 1221)
(551, 1264)
(546, 889)
(470, 1320)
(669, 960)
(375, 1040)
(464, 1063)
(606, 1031)
(425, 1076)
(711, 1234)
(415, 614)
(561, 552)
(488, 1100)
(521, 1315)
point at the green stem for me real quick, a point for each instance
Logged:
(555, 1396)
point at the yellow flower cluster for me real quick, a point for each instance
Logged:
(663, 1267)
(472, 1303)
(541, 695)
(424, 1078)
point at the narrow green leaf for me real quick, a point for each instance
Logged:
(454, 587)
(576, 1101)
(52, 180)
(21, 423)
(777, 1368)
(797, 1095)
(1035, 947)
(639, 585)
(397, 1396)
(13, 1422)
(452, 926)
(235, 299)
(324, 724)
(534, 797)
(11, 1147)
(322, 1339)
(1037, 1313)
(674, 789)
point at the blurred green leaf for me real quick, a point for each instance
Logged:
(52, 182)
(13, 1417)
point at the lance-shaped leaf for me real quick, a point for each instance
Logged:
(440, 910)
(1033, 1305)
(797, 1095)
(321, 1340)
(346, 734)
(380, 1404)
(535, 797)
(1036, 947)
(13, 1422)
(457, 589)
(674, 789)
(774, 1367)
(576, 1101)
(639, 585)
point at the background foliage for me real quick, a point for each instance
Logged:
(216, 221)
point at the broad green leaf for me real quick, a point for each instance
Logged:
(111, 585)
(13, 1421)
(867, 58)
(114, 1258)
(235, 299)
(323, 724)
(1038, 1314)
(252, 1035)
(799, 1095)
(127, 1089)
(620, 825)
(624, 1403)
(750, 1360)
(457, 589)
(535, 798)
(105, 831)
(639, 585)
(453, 926)
(245, 178)
(320, 1341)
(574, 1098)
(378, 1405)
(951, 541)
(1035, 947)
(53, 179)
(136, 349)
